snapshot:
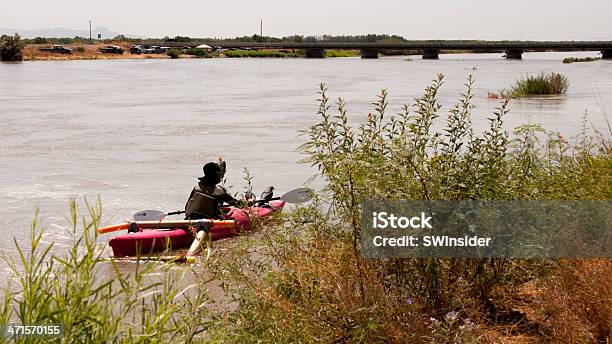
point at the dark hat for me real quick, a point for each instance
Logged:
(211, 169)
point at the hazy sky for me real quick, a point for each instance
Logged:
(427, 19)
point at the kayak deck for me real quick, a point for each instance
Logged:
(156, 240)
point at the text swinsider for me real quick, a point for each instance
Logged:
(475, 228)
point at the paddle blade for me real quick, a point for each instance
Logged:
(300, 195)
(149, 215)
(113, 228)
(161, 259)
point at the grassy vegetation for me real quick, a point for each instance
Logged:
(580, 59)
(258, 53)
(312, 285)
(95, 306)
(341, 53)
(541, 84)
(198, 52)
(11, 48)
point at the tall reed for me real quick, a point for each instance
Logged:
(70, 289)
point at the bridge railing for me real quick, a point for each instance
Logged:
(433, 44)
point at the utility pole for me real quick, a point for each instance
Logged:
(90, 42)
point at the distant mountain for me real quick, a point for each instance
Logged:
(60, 32)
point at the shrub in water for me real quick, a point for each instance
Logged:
(579, 59)
(542, 84)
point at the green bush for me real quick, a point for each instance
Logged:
(198, 52)
(258, 53)
(174, 53)
(541, 84)
(11, 48)
(312, 285)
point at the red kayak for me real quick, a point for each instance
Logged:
(156, 240)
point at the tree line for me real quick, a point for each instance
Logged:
(252, 38)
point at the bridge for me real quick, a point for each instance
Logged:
(429, 49)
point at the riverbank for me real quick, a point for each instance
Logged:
(32, 52)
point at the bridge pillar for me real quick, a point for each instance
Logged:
(430, 54)
(514, 54)
(606, 54)
(369, 53)
(315, 53)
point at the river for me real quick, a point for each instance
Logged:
(136, 132)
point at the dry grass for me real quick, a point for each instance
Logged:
(315, 296)
(576, 302)
(571, 305)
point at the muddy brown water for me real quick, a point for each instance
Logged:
(136, 132)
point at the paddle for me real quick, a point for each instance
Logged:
(149, 219)
(295, 196)
(166, 224)
(300, 195)
(161, 259)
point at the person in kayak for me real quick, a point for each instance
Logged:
(207, 197)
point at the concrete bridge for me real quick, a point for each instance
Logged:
(429, 49)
